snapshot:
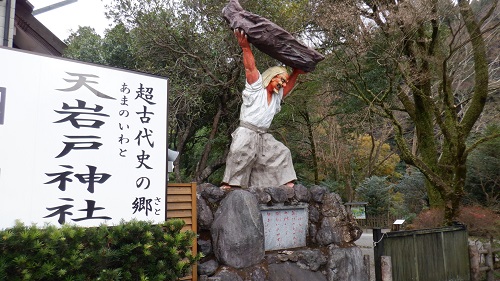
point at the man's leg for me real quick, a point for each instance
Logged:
(273, 166)
(240, 159)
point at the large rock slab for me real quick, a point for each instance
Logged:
(292, 272)
(238, 231)
(271, 38)
(226, 275)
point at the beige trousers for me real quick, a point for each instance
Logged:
(256, 158)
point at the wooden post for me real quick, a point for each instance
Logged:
(378, 251)
(366, 264)
(490, 274)
(474, 255)
(386, 268)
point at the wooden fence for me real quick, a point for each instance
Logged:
(181, 203)
(424, 255)
(384, 221)
(483, 259)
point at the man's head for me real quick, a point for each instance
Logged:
(275, 78)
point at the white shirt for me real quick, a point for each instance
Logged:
(255, 109)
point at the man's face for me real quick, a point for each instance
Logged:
(279, 81)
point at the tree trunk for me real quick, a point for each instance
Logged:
(202, 164)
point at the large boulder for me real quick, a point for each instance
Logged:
(208, 267)
(302, 193)
(238, 231)
(334, 230)
(205, 216)
(346, 264)
(338, 225)
(210, 192)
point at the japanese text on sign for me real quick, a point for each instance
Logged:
(284, 228)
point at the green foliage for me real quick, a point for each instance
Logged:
(118, 48)
(483, 171)
(377, 192)
(335, 186)
(85, 45)
(115, 49)
(133, 250)
(412, 186)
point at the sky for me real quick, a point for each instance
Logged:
(64, 19)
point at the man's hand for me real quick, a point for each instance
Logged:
(242, 38)
(251, 72)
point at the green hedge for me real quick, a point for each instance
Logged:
(133, 250)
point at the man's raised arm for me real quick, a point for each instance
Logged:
(251, 72)
(291, 81)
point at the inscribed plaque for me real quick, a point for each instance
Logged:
(285, 227)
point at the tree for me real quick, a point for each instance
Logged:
(85, 44)
(115, 49)
(423, 65)
(377, 192)
(301, 125)
(374, 157)
(118, 48)
(412, 187)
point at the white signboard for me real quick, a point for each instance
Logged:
(359, 212)
(80, 143)
(285, 228)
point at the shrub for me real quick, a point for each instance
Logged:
(133, 250)
(430, 218)
(480, 221)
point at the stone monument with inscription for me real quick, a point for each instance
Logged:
(277, 233)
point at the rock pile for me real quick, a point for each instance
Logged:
(231, 236)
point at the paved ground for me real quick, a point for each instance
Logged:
(365, 243)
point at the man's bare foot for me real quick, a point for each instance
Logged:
(225, 187)
(289, 184)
